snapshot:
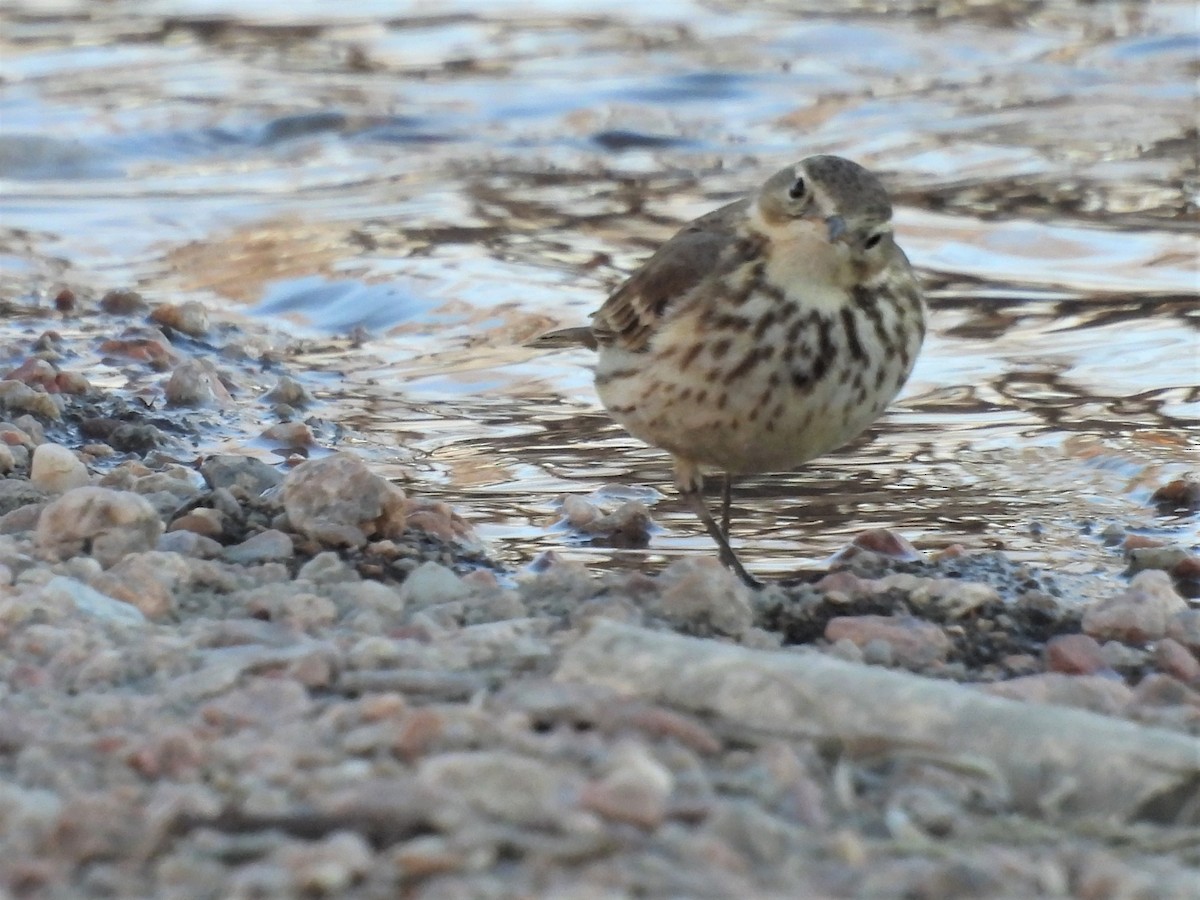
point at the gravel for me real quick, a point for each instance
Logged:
(225, 678)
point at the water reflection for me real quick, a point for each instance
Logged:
(418, 195)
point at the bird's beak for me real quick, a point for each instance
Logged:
(836, 226)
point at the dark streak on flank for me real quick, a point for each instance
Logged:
(690, 356)
(868, 302)
(763, 325)
(748, 362)
(615, 375)
(826, 349)
(850, 327)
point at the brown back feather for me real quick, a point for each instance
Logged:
(631, 316)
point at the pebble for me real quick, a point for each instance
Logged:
(700, 596)
(202, 520)
(251, 476)
(635, 789)
(124, 303)
(16, 493)
(292, 605)
(842, 585)
(432, 583)
(143, 344)
(884, 542)
(16, 395)
(419, 731)
(36, 372)
(607, 606)
(290, 391)
(1183, 627)
(131, 437)
(1075, 654)
(1122, 657)
(1187, 572)
(56, 469)
(30, 426)
(327, 568)
(294, 435)
(264, 701)
(1176, 660)
(1164, 690)
(1045, 606)
(846, 649)
(1162, 557)
(190, 318)
(1179, 496)
(108, 523)
(22, 519)
(877, 652)
(90, 601)
(914, 643)
(1141, 613)
(1138, 542)
(1094, 692)
(189, 543)
(627, 526)
(432, 855)
(953, 597)
(197, 383)
(148, 581)
(1021, 664)
(328, 867)
(440, 520)
(339, 491)
(13, 436)
(503, 785)
(1112, 534)
(266, 546)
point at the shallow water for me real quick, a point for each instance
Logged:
(445, 181)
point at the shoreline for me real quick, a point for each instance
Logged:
(221, 679)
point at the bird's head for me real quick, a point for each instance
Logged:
(844, 200)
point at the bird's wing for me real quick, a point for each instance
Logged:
(631, 316)
(579, 336)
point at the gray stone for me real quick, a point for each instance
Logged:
(16, 492)
(245, 473)
(196, 383)
(1141, 613)
(431, 583)
(90, 601)
(702, 596)
(109, 523)
(339, 491)
(503, 785)
(267, 546)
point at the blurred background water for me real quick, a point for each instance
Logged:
(417, 189)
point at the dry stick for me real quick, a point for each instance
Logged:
(1059, 762)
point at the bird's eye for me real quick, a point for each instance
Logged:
(796, 191)
(873, 241)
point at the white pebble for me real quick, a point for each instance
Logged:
(56, 469)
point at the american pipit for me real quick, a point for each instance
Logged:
(764, 334)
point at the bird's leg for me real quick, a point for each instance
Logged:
(691, 488)
(726, 490)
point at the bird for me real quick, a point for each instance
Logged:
(763, 334)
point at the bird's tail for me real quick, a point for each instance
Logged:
(580, 336)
